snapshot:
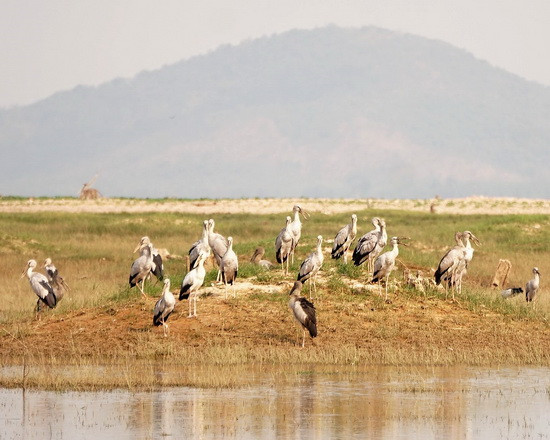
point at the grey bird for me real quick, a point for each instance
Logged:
(40, 285)
(164, 307)
(369, 244)
(303, 311)
(532, 285)
(312, 264)
(218, 243)
(201, 245)
(191, 284)
(462, 267)
(284, 245)
(343, 240)
(258, 258)
(141, 267)
(229, 266)
(385, 263)
(448, 265)
(157, 266)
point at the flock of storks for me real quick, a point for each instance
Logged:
(51, 287)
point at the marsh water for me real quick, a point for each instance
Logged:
(322, 403)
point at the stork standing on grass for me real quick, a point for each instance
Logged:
(343, 240)
(304, 311)
(56, 281)
(370, 244)
(141, 268)
(462, 267)
(157, 267)
(296, 226)
(40, 285)
(191, 284)
(532, 285)
(229, 267)
(448, 266)
(284, 245)
(164, 307)
(311, 265)
(218, 244)
(385, 263)
(201, 245)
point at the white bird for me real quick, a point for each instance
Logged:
(141, 268)
(164, 307)
(511, 292)
(40, 285)
(448, 266)
(191, 284)
(370, 244)
(304, 311)
(229, 266)
(462, 267)
(257, 258)
(157, 266)
(385, 263)
(56, 281)
(532, 286)
(311, 265)
(343, 240)
(218, 244)
(284, 245)
(296, 226)
(201, 245)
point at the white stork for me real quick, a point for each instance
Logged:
(191, 284)
(296, 226)
(284, 245)
(141, 268)
(157, 266)
(448, 266)
(164, 307)
(311, 265)
(229, 266)
(201, 245)
(370, 244)
(532, 285)
(304, 311)
(218, 244)
(462, 268)
(385, 263)
(40, 285)
(343, 240)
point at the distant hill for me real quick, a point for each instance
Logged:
(329, 112)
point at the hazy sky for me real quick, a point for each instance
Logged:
(52, 45)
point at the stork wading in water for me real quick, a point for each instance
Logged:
(385, 263)
(462, 267)
(218, 243)
(532, 286)
(311, 265)
(343, 240)
(370, 244)
(191, 284)
(56, 281)
(40, 286)
(303, 311)
(157, 266)
(229, 267)
(257, 258)
(200, 246)
(284, 245)
(449, 264)
(164, 307)
(141, 268)
(296, 226)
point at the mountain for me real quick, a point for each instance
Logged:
(329, 112)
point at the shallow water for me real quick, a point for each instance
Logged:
(396, 403)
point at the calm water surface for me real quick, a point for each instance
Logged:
(392, 403)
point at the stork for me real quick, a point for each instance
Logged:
(385, 263)
(229, 266)
(532, 285)
(284, 245)
(141, 268)
(304, 311)
(344, 239)
(201, 245)
(164, 307)
(191, 284)
(448, 266)
(462, 267)
(311, 265)
(40, 285)
(157, 267)
(56, 281)
(296, 226)
(218, 244)
(257, 258)
(370, 244)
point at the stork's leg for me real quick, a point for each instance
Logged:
(304, 340)
(225, 284)
(189, 303)
(165, 328)
(195, 305)
(387, 279)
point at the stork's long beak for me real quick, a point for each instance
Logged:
(401, 242)
(476, 241)
(24, 272)
(304, 213)
(137, 248)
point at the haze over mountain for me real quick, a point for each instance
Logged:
(329, 112)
